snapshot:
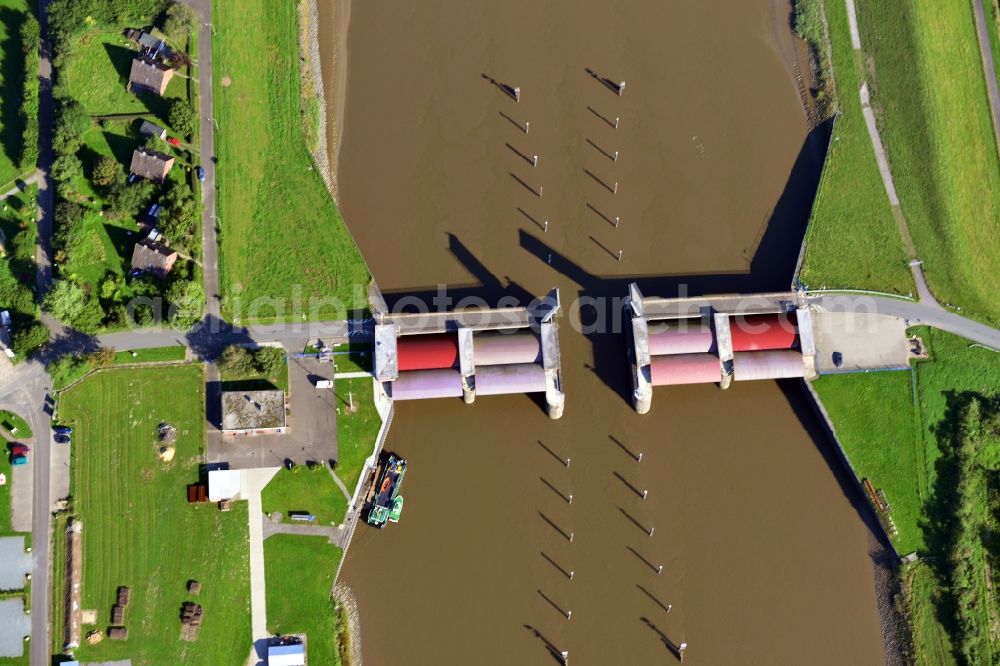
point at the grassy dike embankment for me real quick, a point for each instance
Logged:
(282, 236)
(930, 439)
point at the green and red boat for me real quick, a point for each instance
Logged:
(384, 501)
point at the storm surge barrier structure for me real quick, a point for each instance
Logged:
(717, 339)
(471, 353)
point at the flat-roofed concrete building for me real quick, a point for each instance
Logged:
(253, 412)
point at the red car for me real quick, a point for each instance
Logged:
(19, 450)
(174, 141)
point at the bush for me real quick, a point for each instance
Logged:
(238, 362)
(72, 120)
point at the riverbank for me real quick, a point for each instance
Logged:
(313, 100)
(332, 20)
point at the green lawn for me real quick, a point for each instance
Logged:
(875, 422)
(299, 572)
(357, 430)
(5, 490)
(9, 421)
(303, 490)
(353, 359)
(154, 355)
(98, 69)
(280, 230)
(139, 530)
(930, 97)
(12, 73)
(853, 241)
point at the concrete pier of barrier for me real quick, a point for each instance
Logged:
(724, 347)
(718, 310)
(465, 325)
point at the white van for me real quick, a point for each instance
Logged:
(324, 383)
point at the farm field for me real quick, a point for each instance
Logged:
(853, 241)
(280, 230)
(12, 73)
(139, 530)
(299, 573)
(929, 95)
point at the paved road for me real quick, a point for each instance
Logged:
(989, 67)
(36, 381)
(914, 314)
(209, 243)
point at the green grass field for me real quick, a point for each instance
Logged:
(901, 451)
(280, 230)
(932, 645)
(930, 97)
(5, 490)
(357, 430)
(9, 421)
(876, 424)
(299, 572)
(139, 530)
(154, 355)
(12, 15)
(98, 69)
(304, 490)
(353, 358)
(853, 241)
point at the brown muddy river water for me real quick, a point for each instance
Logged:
(764, 555)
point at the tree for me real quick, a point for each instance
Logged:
(66, 167)
(179, 217)
(236, 361)
(71, 123)
(69, 222)
(66, 301)
(181, 117)
(269, 361)
(179, 21)
(130, 199)
(28, 339)
(107, 172)
(187, 300)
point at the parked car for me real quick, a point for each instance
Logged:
(18, 460)
(19, 450)
(174, 141)
(62, 430)
(201, 173)
(62, 439)
(5, 319)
